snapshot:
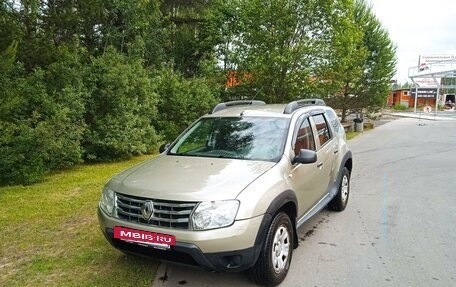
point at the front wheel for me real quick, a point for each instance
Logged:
(339, 202)
(275, 257)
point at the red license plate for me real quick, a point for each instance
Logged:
(141, 236)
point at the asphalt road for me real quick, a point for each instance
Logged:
(399, 228)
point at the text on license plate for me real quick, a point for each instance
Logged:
(143, 236)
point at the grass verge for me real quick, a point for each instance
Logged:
(351, 135)
(367, 127)
(50, 235)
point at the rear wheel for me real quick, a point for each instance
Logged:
(275, 257)
(339, 202)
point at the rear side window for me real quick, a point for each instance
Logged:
(333, 120)
(324, 135)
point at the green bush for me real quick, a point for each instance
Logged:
(107, 110)
(120, 109)
(399, 107)
(41, 124)
(21, 160)
(181, 102)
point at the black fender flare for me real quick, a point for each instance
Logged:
(347, 161)
(286, 197)
(348, 157)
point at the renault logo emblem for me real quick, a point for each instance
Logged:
(147, 210)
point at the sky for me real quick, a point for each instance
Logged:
(417, 27)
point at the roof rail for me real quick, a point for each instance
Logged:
(226, 105)
(293, 106)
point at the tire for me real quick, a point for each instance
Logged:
(339, 202)
(275, 256)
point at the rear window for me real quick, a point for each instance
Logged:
(335, 123)
(333, 120)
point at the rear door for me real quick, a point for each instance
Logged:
(326, 145)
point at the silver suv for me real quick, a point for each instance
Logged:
(231, 191)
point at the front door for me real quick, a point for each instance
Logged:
(311, 181)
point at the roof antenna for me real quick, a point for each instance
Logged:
(256, 94)
(253, 99)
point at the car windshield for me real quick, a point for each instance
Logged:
(250, 138)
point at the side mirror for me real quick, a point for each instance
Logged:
(163, 147)
(305, 156)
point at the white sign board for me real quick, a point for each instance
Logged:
(423, 67)
(423, 60)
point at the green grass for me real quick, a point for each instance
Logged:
(351, 135)
(400, 107)
(50, 235)
(367, 127)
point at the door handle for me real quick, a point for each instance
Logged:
(336, 151)
(320, 165)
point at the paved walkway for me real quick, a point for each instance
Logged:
(439, 116)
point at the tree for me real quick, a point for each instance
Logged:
(9, 36)
(405, 85)
(85, 79)
(40, 119)
(338, 78)
(279, 43)
(380, 65)
(120, 108)
(8, 56)
(190, 38)
(359, 73)
(181, 101)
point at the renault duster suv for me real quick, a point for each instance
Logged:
(231, 191)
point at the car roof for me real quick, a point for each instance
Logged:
(275, 110)
(259, 108)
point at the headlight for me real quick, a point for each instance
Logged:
(108, 201)
(214, 214)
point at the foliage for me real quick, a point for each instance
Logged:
(339, 78)
(277, 44)
(181, 102)
(362, 65)
(8, 56)
(190, 35)
(41, 126)
(400, 107)
(406, 85)
(106, 79)
(380, 65)
(120, 110)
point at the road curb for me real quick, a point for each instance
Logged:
(429, 117)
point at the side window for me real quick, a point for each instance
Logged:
(197, 139)
(324, 134)
(305, 138)
(333, 120)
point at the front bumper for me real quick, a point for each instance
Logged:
(227, 249)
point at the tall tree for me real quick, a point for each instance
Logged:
(338, 78)
(120, 110)
(360, 63)
(278, 44)
(380, 64)
(190, 39)
(9, 34)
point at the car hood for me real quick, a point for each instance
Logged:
(189, 178)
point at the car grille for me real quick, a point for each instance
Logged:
(167, 214)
